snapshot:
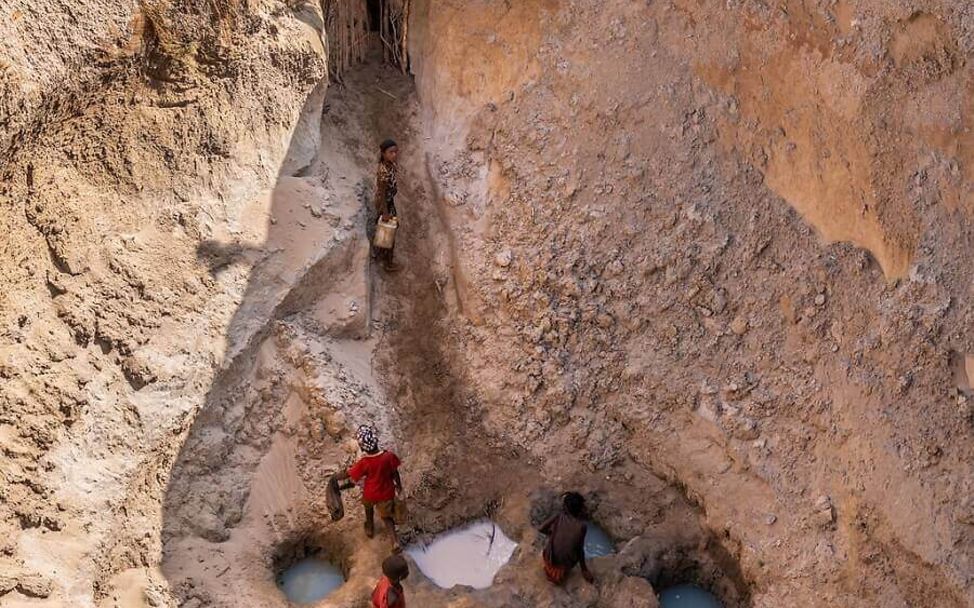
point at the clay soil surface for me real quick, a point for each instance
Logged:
(399, 372)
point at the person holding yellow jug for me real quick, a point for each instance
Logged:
(386, 188)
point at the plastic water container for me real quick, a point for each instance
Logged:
(385, 233)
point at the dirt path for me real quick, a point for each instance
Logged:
(439, 431)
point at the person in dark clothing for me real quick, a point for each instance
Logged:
(566, 540)
(380, 471)
(386, 188)
(388, 592)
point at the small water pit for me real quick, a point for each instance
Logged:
(597, 542)
(306, 569)
(469, 555)
(687, 596)
(310, 580)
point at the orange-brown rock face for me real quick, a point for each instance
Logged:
(725, 240)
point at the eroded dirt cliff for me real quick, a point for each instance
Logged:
(704, 261)
(721, 242)
(132, 135)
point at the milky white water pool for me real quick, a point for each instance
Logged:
(470, 555)
(310, 580)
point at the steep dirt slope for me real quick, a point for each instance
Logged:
(131, 134)
(645, 200)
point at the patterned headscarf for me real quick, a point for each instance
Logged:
(368, 438)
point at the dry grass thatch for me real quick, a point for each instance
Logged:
(173, 31)
(393, 32)
(347, 24)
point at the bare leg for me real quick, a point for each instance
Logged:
(369, 521)
(391, 526)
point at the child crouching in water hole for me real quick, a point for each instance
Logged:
(380, 470)
(566, 540)
(388, 592)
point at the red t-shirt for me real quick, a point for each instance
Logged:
(377, 469)
(380, 595)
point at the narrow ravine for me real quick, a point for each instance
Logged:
(702, 263)
(353, 344)
(417, 358)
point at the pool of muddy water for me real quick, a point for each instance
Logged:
(310, 580)
(687, 596)
(470, 555)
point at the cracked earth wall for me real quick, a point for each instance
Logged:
(723, 241)
(125, 150)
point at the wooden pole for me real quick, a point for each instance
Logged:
(347, 28)
(404, 62)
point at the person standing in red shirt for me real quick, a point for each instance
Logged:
(388, 592)
(380, 471)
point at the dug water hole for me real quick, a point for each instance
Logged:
(597, 542)
(310, 580)
(687, 596)
(470, 555)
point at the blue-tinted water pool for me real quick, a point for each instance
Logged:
(687, 596)
(310, 580)
(597, 542)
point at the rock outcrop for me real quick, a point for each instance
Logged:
(133, 138)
